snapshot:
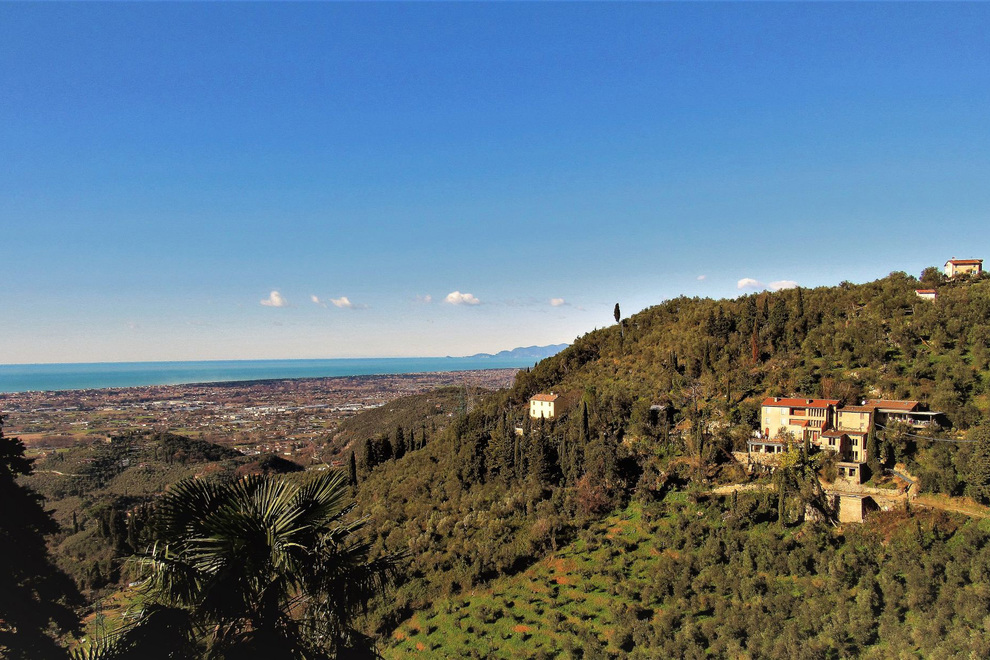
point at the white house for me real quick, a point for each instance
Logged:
(543, 405)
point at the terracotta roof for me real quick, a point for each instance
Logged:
(857, 409)
(544, 397)
(888, 404)
(833, 434)
(964, 262)
(799, 403)
(920, 291)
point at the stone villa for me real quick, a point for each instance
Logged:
(829, 426)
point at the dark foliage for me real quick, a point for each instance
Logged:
(36, 598)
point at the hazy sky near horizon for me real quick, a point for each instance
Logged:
(280, 180)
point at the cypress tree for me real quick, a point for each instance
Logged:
(352, 470)
(399, 443)
(384, 449)
(979, 472)
(585, 431)
(873, 452)
(35, 596)
(370, 454)
(754, 343)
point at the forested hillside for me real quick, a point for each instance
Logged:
(102, 495)
(655, 407)
(609, 504)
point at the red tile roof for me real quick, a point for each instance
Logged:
(920, 291)
(888, 404)
(774, 401)
(804, 423)
(964, 262)
(858, 409)
(544, 397)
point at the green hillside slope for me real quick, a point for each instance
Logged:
(655, 407)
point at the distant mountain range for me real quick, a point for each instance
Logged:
(529, 352)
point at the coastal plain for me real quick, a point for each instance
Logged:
(291, 417)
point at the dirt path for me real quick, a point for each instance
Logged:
(735, 488)
(962, 505)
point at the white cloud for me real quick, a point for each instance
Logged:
(427, 299)
(458, 298)
(702, 278)
(342, 302)
(274, 299)
(557, 302)
(749, 283)
(316, 299)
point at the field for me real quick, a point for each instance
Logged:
(696, 578)
(579, 597)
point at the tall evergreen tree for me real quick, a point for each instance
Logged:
(36, 598)
(399, 443)
(979, 472)
(370, 454)
(352, 470)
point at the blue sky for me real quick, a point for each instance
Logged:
(165, 167)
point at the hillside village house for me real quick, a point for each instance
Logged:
(827, 426)
(543, 405)
(804, 418)
(956, 267)
(907, 412)
(926, 294)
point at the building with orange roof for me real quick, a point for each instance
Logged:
(888, 411)
(543, 406)
(806, 419)
(956, 267)
(927, 294)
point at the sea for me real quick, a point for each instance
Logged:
(100, 375)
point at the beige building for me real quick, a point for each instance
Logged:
(955, 267)
(543, 405)
(833, 440)
(854, 418)
(857, 452)
(927, 294)
(805, 418)
(888, 411)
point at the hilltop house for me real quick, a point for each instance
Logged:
(543, 405)
(956, 267)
